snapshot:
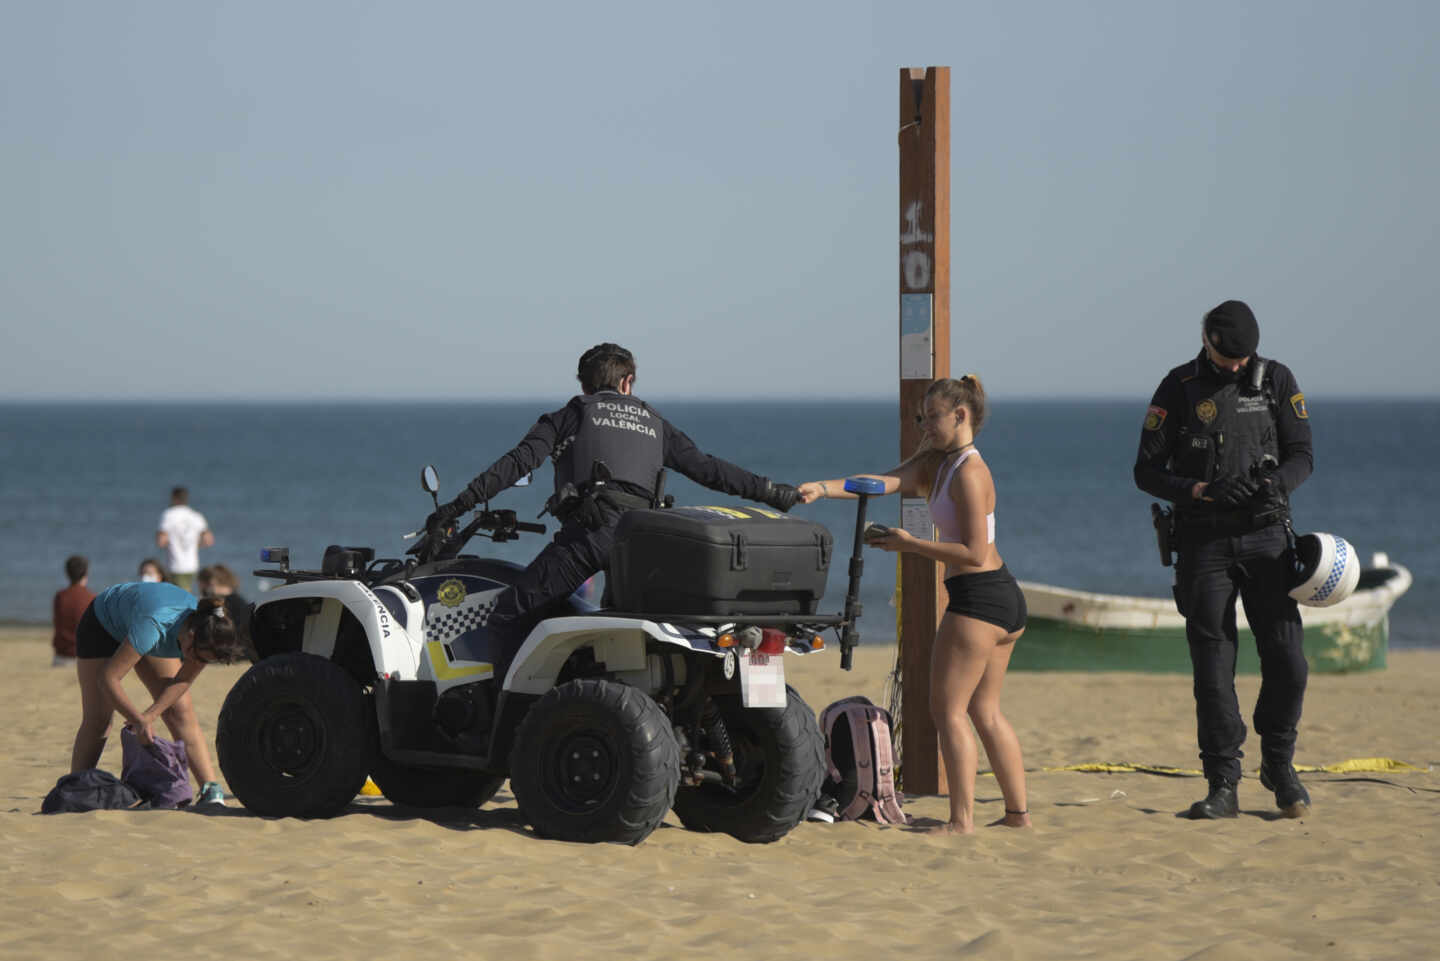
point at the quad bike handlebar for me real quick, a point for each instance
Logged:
(498, 525)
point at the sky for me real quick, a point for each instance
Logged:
(326, 200)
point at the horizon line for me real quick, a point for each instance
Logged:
(542, 399)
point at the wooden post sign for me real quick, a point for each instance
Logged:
(924, 356)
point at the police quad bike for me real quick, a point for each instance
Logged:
(606, 718)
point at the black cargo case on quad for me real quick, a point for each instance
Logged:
(718, 560)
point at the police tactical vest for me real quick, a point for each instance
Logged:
(620, 430)
(1228, 428)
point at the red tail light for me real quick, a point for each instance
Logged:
(772, 641)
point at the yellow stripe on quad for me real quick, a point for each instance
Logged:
(445, 671)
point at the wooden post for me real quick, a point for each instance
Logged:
(924, 356)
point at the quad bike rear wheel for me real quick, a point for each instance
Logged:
(779, 757)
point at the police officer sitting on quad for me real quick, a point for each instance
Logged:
(608, 447)
(1226, 439)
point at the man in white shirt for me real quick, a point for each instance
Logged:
(182, 533)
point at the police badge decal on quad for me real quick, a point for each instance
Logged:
(451, 593)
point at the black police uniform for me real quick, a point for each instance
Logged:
(634, 442)
(1204, 424)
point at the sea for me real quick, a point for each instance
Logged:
(92, 478)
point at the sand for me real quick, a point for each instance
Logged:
(1108, 871)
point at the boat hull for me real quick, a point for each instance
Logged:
(1083, 631)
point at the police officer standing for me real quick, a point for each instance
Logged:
(1226, 439)
(608, 447)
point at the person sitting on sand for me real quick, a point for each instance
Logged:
(986, 613)
(162, 633)
(217, 580)
(150, 572)
(68, 607)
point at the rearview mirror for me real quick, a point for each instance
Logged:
(430, 479)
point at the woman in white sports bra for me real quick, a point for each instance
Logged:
(986, 613)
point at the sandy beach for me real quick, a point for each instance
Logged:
(1108, 871)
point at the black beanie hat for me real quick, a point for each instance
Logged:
(1231, 329)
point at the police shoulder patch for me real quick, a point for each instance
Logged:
(1297, 403)
(1154, 418)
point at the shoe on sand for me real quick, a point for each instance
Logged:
(1290, 795)
(1221, 802)
(211, 793)
(826, 810)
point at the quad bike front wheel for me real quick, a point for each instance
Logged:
(595, 761)
(296, 737)
(779, 759)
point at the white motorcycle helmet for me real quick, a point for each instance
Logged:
(1327, 569)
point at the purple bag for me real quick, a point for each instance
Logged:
(160, 773)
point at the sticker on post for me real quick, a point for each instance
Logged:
(917, 324)
(762, 679)
(915, 518)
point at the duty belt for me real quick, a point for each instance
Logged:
(1234, 520)
(620, 500)
(568, 502)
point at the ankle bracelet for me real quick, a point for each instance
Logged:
(1008, 811)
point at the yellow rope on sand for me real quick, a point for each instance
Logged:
(1363, 764)
(1120, 767)
(1357, 765)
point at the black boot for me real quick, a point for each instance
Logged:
(1290, 795)
(1221, 802)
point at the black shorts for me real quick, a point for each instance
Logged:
(91, 638)
(990, 596)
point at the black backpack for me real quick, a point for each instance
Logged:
(91, 790)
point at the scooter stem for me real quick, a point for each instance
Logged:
(862, 488)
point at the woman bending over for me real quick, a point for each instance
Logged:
(166, 637)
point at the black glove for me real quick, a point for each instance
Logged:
(1232, 490)
(1267, 476)
(443, 516)
(446, 513)
(782, 497)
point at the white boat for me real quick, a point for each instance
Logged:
(1072, 630)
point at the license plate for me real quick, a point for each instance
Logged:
(762, 679)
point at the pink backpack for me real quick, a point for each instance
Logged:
(861, 761)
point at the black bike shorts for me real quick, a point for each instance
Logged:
(990, 596)
(91, 638)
